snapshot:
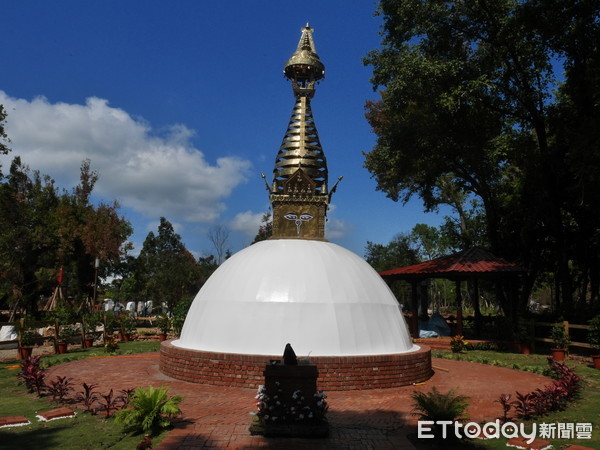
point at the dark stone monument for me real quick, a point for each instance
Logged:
(289, 404)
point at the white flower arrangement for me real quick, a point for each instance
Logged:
(276, 410)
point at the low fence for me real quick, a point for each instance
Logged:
(534, 325)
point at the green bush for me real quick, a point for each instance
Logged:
(163, 322)
(593, 334)
(437, 406)
(149, 409)
(559, 335)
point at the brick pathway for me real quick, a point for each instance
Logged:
(219, 416)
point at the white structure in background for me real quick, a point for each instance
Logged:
(130, 306)
(7, 337)
(108, 304)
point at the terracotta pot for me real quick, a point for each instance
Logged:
(61, 347)
(124, 337)
(24, 352)
(596, 359)
(88, 342)
(517, 347)
(558, 354)
(525, 349)
(162, 337)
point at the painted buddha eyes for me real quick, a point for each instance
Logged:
(304, 217)
(298, 219)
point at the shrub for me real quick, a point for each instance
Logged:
(87, 396)
(504, 401)
(125, 396)
(109, 404)
(28, 338)
(437, 406)
(110, 344)
(149, 409)
(458, 344)
(126, 323)
(91, 321)
(32, 374)
(554, 397)
(559, 335)
(163, 322)
(59, 388)
(67, 333)
(145, 444)
(593, 334)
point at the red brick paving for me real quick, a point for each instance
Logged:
(218, 417)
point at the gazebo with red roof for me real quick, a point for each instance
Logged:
(474, 263)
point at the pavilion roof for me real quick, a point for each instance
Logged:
(468, 263)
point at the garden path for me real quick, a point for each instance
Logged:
(218, 417)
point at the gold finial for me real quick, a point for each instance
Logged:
(299, 195)
(304, 66)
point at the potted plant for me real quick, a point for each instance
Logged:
(163, 322)
(523, 339)
(126, 326)
(65, 334)
(27, 339)
(60, 318)
(109, 323)
(90, 322)
(560, 341)
(594, 340)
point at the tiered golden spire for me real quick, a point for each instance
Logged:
(299, 193)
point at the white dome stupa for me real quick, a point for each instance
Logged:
(318, 296)
(295, 287)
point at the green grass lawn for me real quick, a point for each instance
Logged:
(585, 409)
(85, 431)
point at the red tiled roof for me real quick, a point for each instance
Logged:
(469, 262)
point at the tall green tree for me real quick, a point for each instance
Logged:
(472, 102)
(44, 230)
(397, 253)
(4, 140)
(28, 242)
(265, 230)
(165, 270)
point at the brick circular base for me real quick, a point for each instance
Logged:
(336, 373)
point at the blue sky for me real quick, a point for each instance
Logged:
(180, 105)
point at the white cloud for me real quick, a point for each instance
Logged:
(247, 222)
(337, 228)
(154, 175)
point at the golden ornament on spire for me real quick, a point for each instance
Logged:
(299, 194)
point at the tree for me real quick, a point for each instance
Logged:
(218, 235)
(266, 228)
(4, 140)
(397, 253)
(28, 241)
(428, 240)
(165, 270)
(44, 230)
(470, 109)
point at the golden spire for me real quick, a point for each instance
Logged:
(299, 192)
